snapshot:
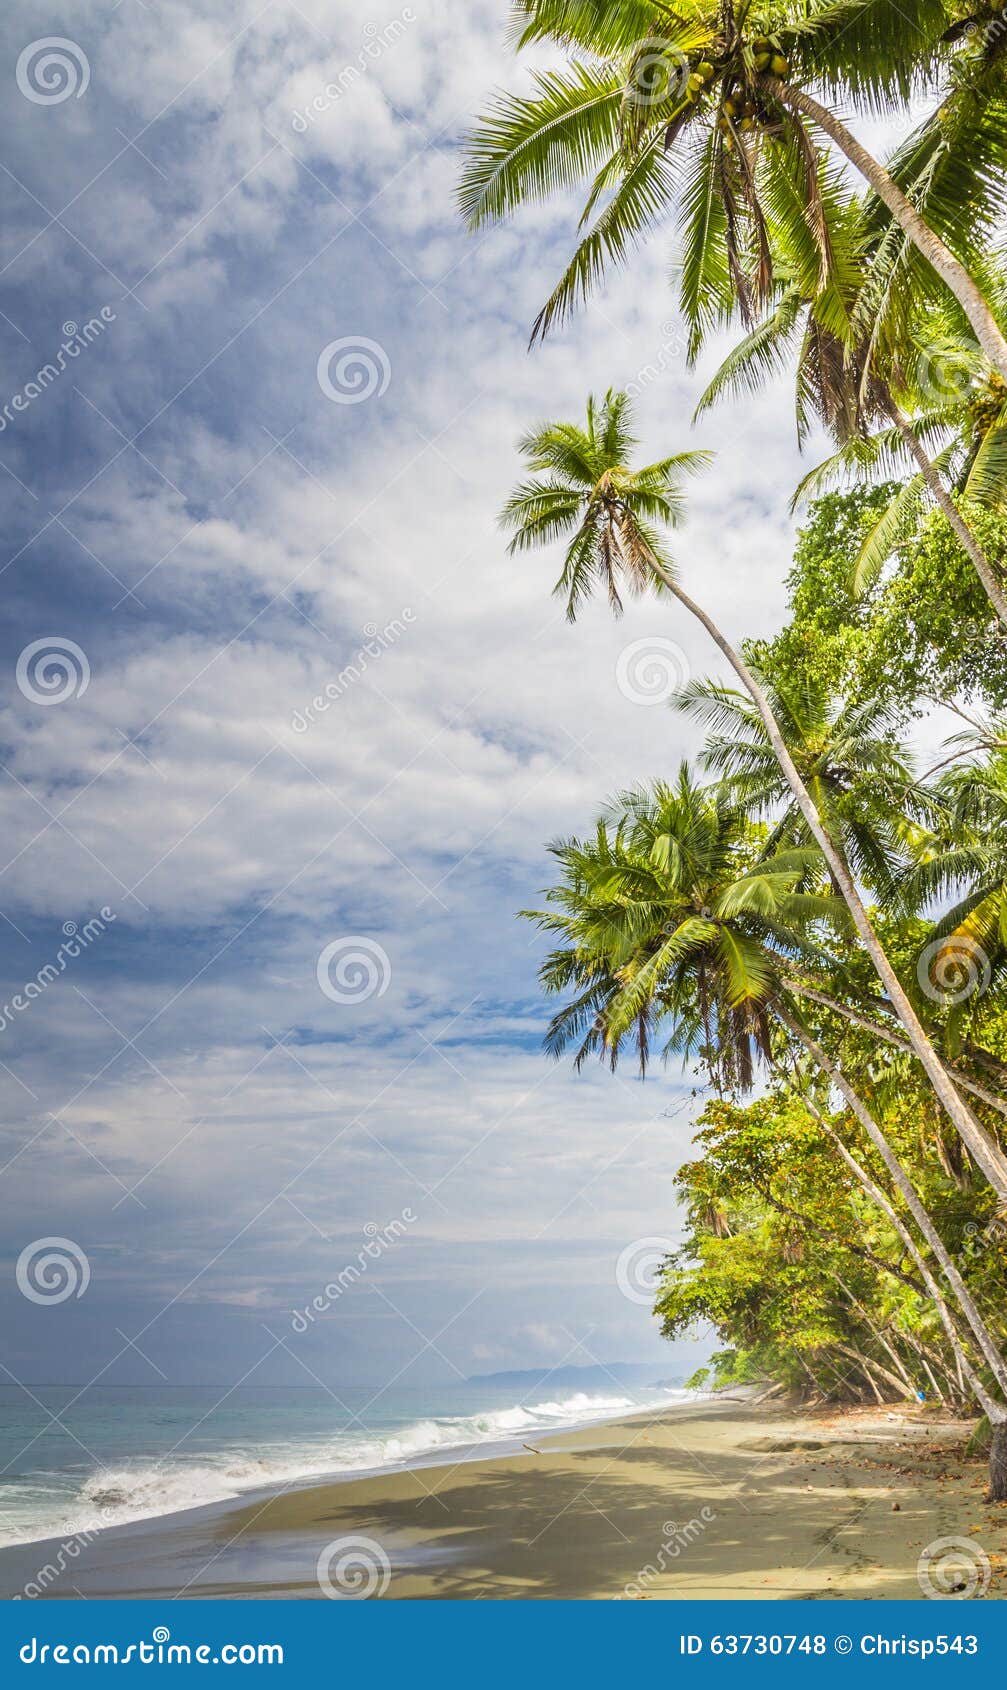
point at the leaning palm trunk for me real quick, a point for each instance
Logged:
(968, 1372)
(928, 470)
(985, 1153)
(950, 269)
(856, 1018)
(997, 1412)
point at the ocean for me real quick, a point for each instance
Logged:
(73, 1462)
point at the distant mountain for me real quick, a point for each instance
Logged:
(582, 1378)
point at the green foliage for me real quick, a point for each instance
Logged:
(925, 632)
(801, 1277)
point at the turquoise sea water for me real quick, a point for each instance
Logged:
(73, 1462)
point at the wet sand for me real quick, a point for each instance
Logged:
(720, 1499)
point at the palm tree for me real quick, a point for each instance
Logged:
(582, 485)
(852, 375)
(707, 106)
(675, 914)
(848, 757)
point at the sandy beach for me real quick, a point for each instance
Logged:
(714, 1500)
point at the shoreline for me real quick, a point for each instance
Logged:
(717, 1499)
(436, 1453)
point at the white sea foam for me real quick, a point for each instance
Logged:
(117, 1495)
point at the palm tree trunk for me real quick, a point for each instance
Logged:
(995, 1412)
(982, 1396)
(980, 562)
(950, 269)
(857, 1019)
(907, 1192)
(985, 1153)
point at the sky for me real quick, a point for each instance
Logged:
(302, 1017)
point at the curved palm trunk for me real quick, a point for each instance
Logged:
(950, 269)
(907, 1192)
(995, 1412)
(982, 1396)
(980, 562)
(984, 1152)
(857, 1019)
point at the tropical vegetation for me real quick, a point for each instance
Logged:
(811, 922)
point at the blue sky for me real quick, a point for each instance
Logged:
(217, 538)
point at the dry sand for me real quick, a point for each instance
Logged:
(716, 1500)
